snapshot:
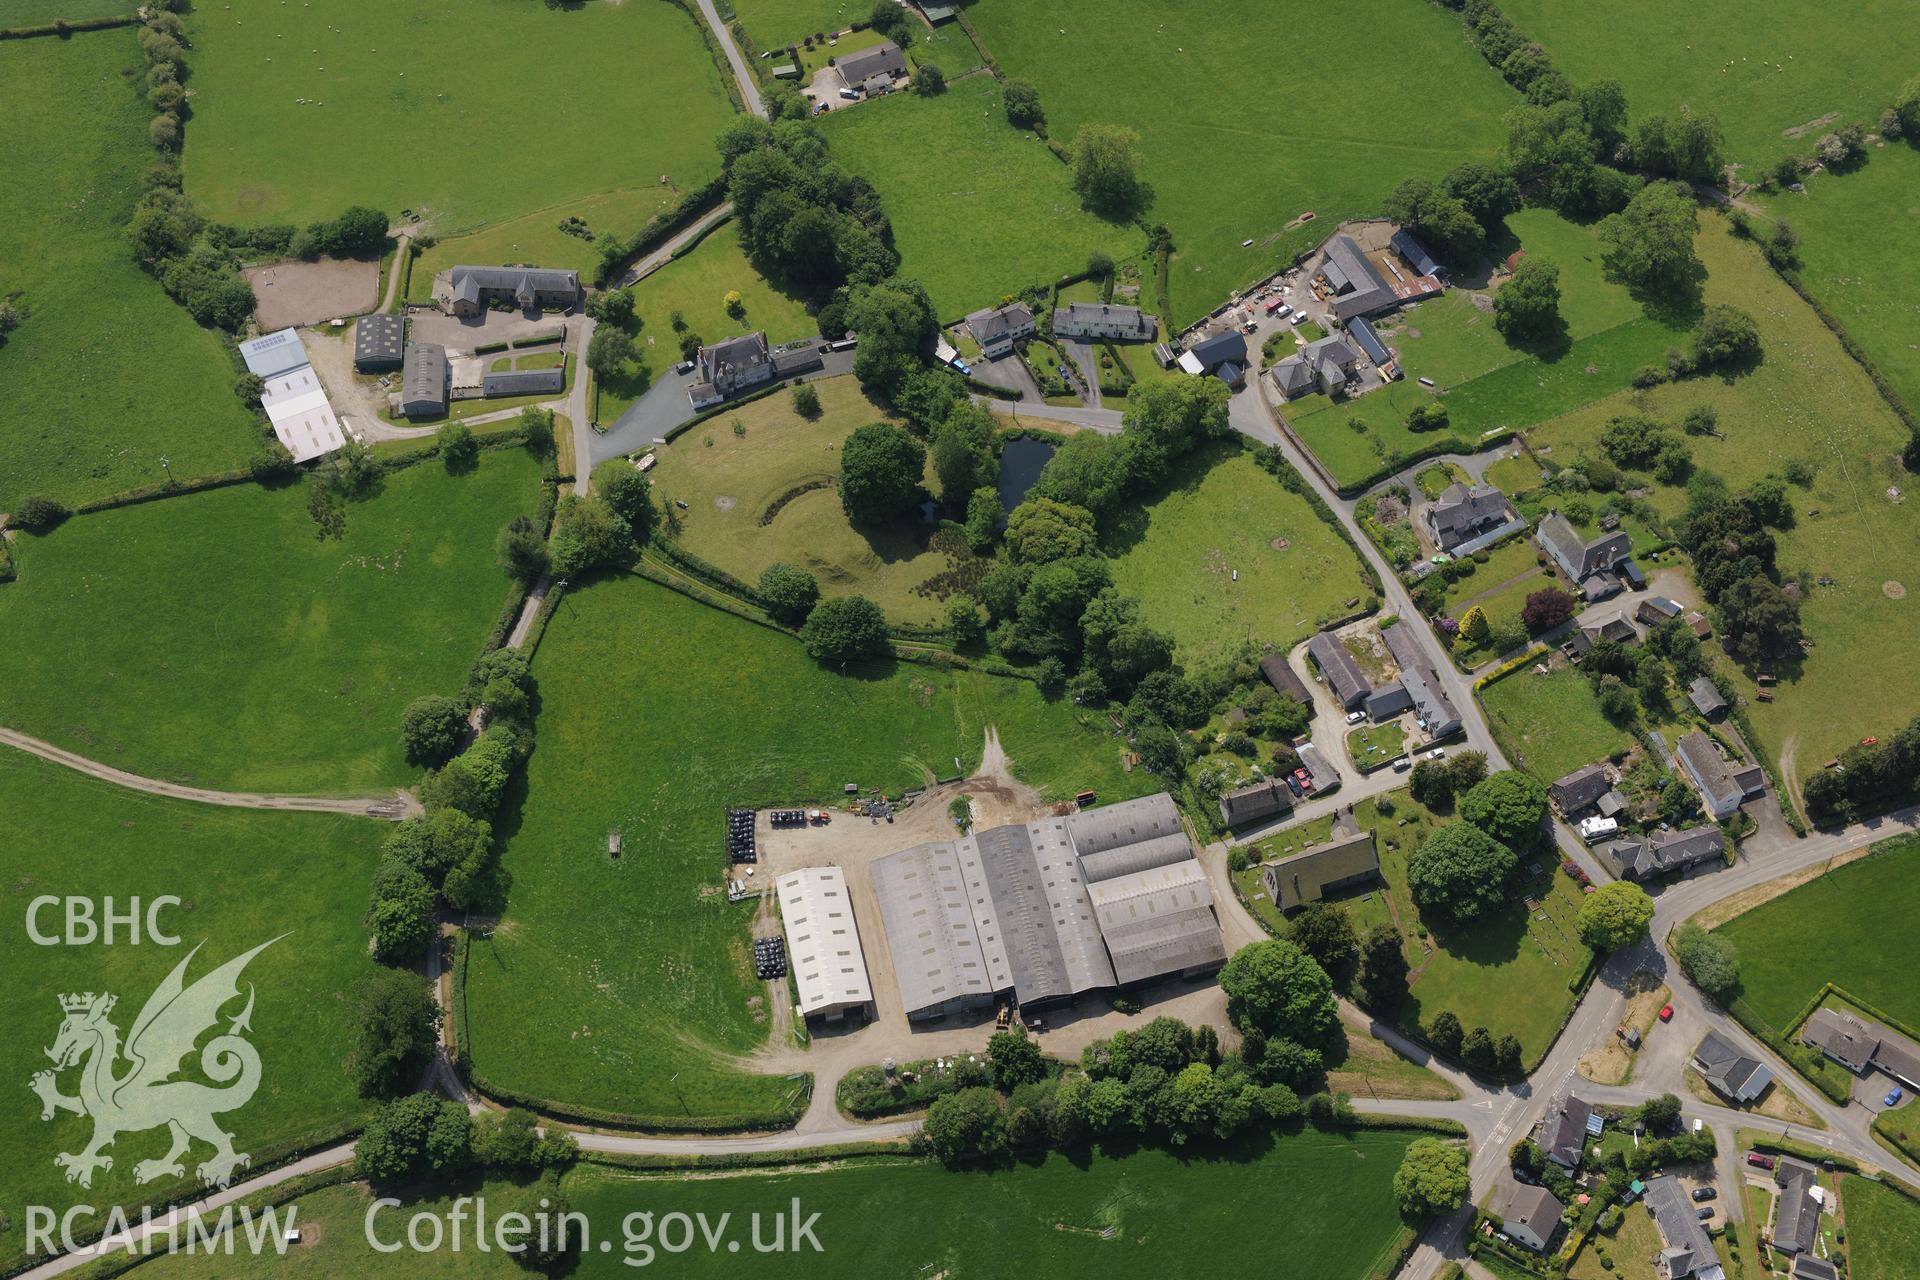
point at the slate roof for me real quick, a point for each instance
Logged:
(1657, 609)
(1564, 1137)
(1731, 1073)
(1580, 789)
(1808, 1267)
(1579, 558)
(1104, 315)
(1705, 697)
(1461, 512)
(1222, 348)
(884, 59)
(1301, 878)
(1689, 1250)
(1357, 287)
(1671, 850)
(1422, 262)
(1342, 673)
(523, 382)
(1423, 682)
(737, 353)
(1361, 330)
(993, 323)
(1285, 681)
(379, 342)
(1252, 803)
(524, 283)
(1796, 1214)
(1842, 1037)
(1703, 763)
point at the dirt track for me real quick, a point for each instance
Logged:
(393, 808)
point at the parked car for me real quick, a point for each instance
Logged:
(684, 367)
(1893, 1097)
(1704, 1213)
(1704, 1193)
(1666, 1013)
(851, 95)
(1355, 717)
(1759, 1161)
(1293, 785)
(1403, 764)
(1438, 753)
(1299, 317)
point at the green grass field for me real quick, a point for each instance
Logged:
(1550, 725)
(1807, 400)
(1833, 929)
(979, 209)
(1851, 226)
(105, 375)
(213, 639)
(732, 484)
(244, 877)
(1147, 1213)
(1487, 383)
(607, 977)
(1219, 515)
(32, 13)
(773, 23)
(1507, 972)
(1883, 1231)
(415, 107)
(1232, 145)
(536, 237)
(1790, 66)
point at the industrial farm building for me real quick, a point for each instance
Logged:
(1048, 910)
(829, 968)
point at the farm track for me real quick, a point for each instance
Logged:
(393, 808)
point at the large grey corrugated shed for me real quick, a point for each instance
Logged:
(1053, 943)
(272, 353)
(939, 959)
(379, 342)
(423, 382)
(1158, 922)
(1129, 822)
(1125, 859)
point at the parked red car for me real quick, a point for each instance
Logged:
(1759, 1161)
(1666, 1013)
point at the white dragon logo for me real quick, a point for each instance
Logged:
(148, 1096)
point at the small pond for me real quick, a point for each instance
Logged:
(1020, 465)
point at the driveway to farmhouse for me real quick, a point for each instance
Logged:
(665, 406)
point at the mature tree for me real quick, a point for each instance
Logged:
(629, 495)
(1325, 931)
(1708, 961)
(396, 1140)
(1527, 307)
(846, 629)
(1277, 988)
(1648, 246)
(1474, 626)
(1444, 221)
(520, 550)
(1758, 620)
(1507, 1058)
(965, 626)
(587, 535)
(1659, 1114)
(1446, 1033)
(1459, 872)
(1105, 163)
(432, 729)
(609, 351)
(1509, 806)
(1164, 420)
(1603, 104)
(1380, 980)
(1432, 1178)
(537, 426)
(396, 1029)
(806, 401)
(789, 593)
(984, 514)
(451, 849)
(1728, 337)
(611, 306)
(1040, 531)
(891, 21)
(1546, 609)
(1614, 915)
(400, 914)
(896, 323)
(1476, 1050)
(37, 513)
(1288, 1061)
(1022, 103)
(1487, 191)
(880, 470)
(928, 80)
(963, 458)
(969, 1122)
(926, 397)
(1119, 646)
(1013, 1059)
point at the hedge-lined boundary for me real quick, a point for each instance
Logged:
(801, 1158)
(1775, 1144)
(1533, 654)
(716, 54)
(1276, 465)
(66, 27)
(664, 225)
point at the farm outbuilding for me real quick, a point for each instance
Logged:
(295, 402)
(424, 380)
(829, 968)
(379, 343)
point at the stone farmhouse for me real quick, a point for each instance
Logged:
(474, 290)
(736, 366)
(1465, 519)
(1101, 321)
(874, 70)
(996, 329)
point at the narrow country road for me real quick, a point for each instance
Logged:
(648, 263)
(405, 238)
(742, 74)
(399, 805)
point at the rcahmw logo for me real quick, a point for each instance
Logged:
(145, 1095)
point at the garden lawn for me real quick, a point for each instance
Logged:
(212, 639)
(1550, 725)
(696, 286)
(606, 978)
(1761, 69)
(1883, 1231)
(243, 878)
(105, 375)
(771, 495)
(1851, 227)
(1147, 1213)
(1507, 972)
(980, 210)
(1808, 401)
(1220, 514)
(1832, 929)
(413, 107)
(1373, 745)
(1231, 147)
